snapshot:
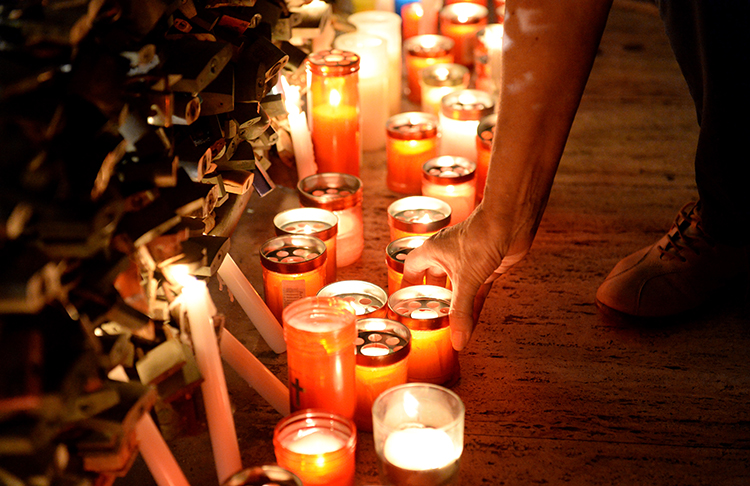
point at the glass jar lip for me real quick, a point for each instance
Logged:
(464, 13)
(332, 62)
(399, 246)
(338, 191)
(336, 423)
(294, 245)
(384, 397)
(396, 351)
(307, 214)
(448, 169)
(428, 45)
(467, 104)
(315, 305)
(417, 203)
(344, 288)
(434, 292)
(412, 125)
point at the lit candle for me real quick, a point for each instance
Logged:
(373, 85)
(388, 26)
(333, 100)
(382, 350)
(293, 268)
(439, 80)
(422, 51)
(488, 58)
(342, 195)
(459, 119)
(318, 447)
(254, 372)
(367, 299)
(451, 179)
(461, 22)
(320, 334)
(304, 157)
(418, 431)
(411, 15)
(417, 215)
(321, 223)
(424, 310)
(260, 315)
(485, 134)
(199, 309)
(395, 254)
(412, 140)
(428, 24)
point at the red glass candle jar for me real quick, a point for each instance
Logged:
(317, 446)
(367, 299)
(485, 134)
(317, 222)
(333, 105)
(461, 22)
(422, 51)
(382, 350)
(451, 179)
(294, 266)
(342, 195)
(412, 139)
(417, 215)
(320, 334)
(488, 58)
(424, 310)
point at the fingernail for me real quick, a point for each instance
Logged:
(459, 339)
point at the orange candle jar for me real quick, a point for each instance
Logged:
(294, 266)
(411, 15)
(417, 215)
(367, 299)
(461, 21)
(451, 179)
(317, 222)
(485, 134)
(382, 350)
(318, 447)
(424, 310)
(342, 195)
(333, 103)
(488, 58)
(499, 6)
(439, 80)
(320, 334)
(412, 139)
(395, 254)
(422, 51)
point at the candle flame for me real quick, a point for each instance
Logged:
(334, 98)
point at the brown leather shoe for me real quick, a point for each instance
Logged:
(678, 273)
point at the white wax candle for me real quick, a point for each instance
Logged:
(315, 441)
(304, 155)
(419, 449)
(257, 310)
(156, 454)
(254, 373)
(221, 429)
(458, 137)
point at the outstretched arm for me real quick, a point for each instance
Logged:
(548, 51)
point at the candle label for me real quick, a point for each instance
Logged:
(292, 290)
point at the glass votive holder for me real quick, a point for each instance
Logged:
(417, 215)
(438, 80)
(485, 135)
(488, 58)
(418, 431)
(461, 21)
(317, 446)
(422, 51)
(424, 310)
(412, 139)
(451, 179)
(395, 254)
(460, 112)
(294, 266)
(367, 299)
(342, 195)
(334, 110)
(321, 223)
(411, 15)
(263, 476)
(382, 350)
(320, 334)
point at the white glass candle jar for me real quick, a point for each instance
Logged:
(388, 26)
(342, 195)
(461, 22)
(417, 215)
(373, 86)
(439, 80)
(451, 179)
(367, 299)
(317, 222)
(459, 117)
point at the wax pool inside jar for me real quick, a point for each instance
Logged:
(422, 216)
(305, 227)
(314, 441)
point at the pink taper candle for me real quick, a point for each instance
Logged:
(156, 454)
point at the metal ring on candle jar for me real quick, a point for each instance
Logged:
(263, 476)
(448, 170)
(463, 13)
(333, 62)
(293, 254)
(306, 221)
(428, 45)
(330, 190)
(448, 74)
(367, 299)
(412, 125)
(421, 307)
(381, 342)
(467, 104)
(419, 214)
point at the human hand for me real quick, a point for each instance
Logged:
(472, 255)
